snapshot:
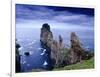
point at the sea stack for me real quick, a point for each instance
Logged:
(76, 50)
(52, 46)
(46, 35)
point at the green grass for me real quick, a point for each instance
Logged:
(85, 64)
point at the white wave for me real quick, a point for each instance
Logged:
(43, 52)
(45, 63)
(31, 52)
(20, 48)
(33, 42)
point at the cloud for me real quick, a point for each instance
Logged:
(30, 12)
(25, 12)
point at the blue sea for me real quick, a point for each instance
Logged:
(29, 40)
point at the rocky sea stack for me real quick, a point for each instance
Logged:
(47, 41)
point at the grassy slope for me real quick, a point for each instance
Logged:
(85, 64)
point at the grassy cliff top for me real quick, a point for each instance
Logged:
(85, 64)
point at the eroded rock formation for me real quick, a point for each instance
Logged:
(46, 38)
(76, 50)
(46, 35)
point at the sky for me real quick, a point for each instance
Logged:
(33, 16)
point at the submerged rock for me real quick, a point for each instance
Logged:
(27, 53)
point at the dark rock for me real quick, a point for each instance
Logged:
(27, 53)
(17, 46)
(17, 64)
(46, 34)
(46, 26)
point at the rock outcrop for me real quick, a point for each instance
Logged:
(46, 35)
(47, 41)
(76, 50)
(17, 64)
